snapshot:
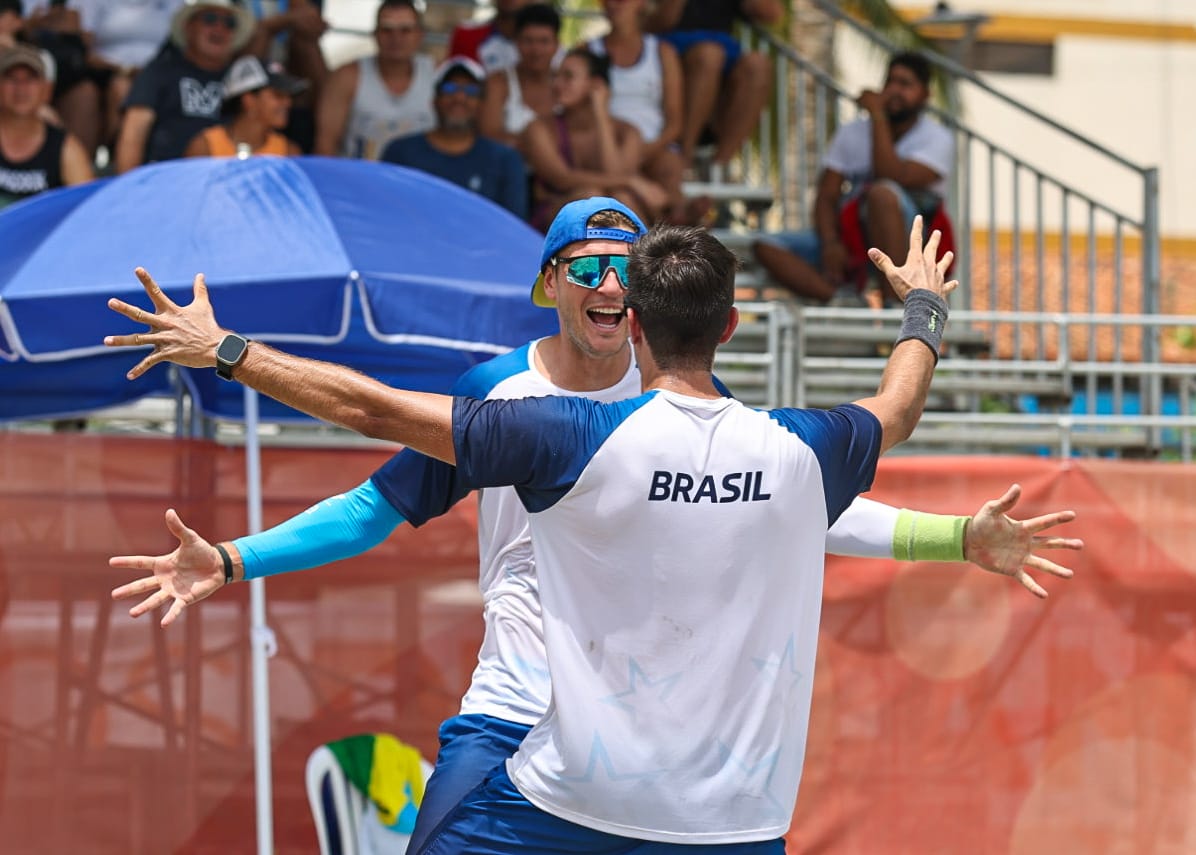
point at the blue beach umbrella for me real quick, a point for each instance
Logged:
(403, 276)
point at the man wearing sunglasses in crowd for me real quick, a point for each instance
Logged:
(454, 150)
(179, 92)
(583, 274)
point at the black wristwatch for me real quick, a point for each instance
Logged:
(229, 354)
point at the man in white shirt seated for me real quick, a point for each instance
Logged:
(895, 162)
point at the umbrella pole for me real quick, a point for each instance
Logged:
(261, 640)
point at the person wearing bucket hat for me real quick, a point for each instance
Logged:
(583, 273)
(34, 155)
(257, 101)
(455, 151)
(179, 93)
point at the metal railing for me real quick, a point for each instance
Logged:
(1048, 244)
(1073, 399)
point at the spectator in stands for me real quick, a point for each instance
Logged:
(178, 93)
(491, 43)
(256, 104)
(12, 21)
(56, 28)
(367, 103)
(122, 36)
(582, 150)
(725, 89)
(288, 33)
(646, 91)
(895, 162)
(454, 151)
(34, 155)
(518, 94)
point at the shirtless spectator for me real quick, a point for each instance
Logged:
(725, 89)
(367, 103)
(491, 43)
(178, 93)
(519, 94)
(581, 150)
(34, 156)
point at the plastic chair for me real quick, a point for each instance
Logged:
(338, 809)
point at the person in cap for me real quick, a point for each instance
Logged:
(257, 102)
(288, 32)
(454, 150)
(34, 155)
(179, 93)
(367, 103)
(583, 274)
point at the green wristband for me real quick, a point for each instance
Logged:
(928, 537)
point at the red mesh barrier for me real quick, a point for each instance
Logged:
(953, 711)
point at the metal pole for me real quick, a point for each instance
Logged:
(261, 640)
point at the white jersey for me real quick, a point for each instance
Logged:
(637, 91)
(511, 678)
(679, 556)
(378, 116)
(927, 143)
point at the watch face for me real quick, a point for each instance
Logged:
(231, 349)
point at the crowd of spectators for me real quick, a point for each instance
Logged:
(512, 114)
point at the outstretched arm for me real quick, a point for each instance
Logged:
(991, 539)
(189, 335)
(338, 527)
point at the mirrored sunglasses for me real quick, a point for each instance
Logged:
(211, 19)
(473, 90)
(588, 271)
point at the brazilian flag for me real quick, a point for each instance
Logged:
(388, 772)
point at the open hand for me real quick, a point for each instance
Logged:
(186, 335)
(191, 573)
(1000, 544)
(921, 269)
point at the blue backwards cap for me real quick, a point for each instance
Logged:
(569, 226)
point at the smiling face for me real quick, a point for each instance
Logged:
(210, 33)
(269, 105)
(592, 320)
(457, 101)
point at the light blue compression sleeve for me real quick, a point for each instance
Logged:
(338, 527)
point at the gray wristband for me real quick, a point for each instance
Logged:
(924, 320)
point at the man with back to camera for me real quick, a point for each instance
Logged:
(548, 273)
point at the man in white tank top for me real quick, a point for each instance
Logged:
(376, 99)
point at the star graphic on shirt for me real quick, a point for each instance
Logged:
(756, 777)
(642, 691)
(528, 668)
(600, 760)
(785, 663)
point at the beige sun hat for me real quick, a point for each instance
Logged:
(178, 24)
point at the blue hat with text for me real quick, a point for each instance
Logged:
(571, 225)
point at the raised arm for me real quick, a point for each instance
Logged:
(189, 335)
(920, 283)
(338, 527)
(990, 539)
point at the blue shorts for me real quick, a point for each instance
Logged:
(470, 747)
(495, 819)
(683, 40)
